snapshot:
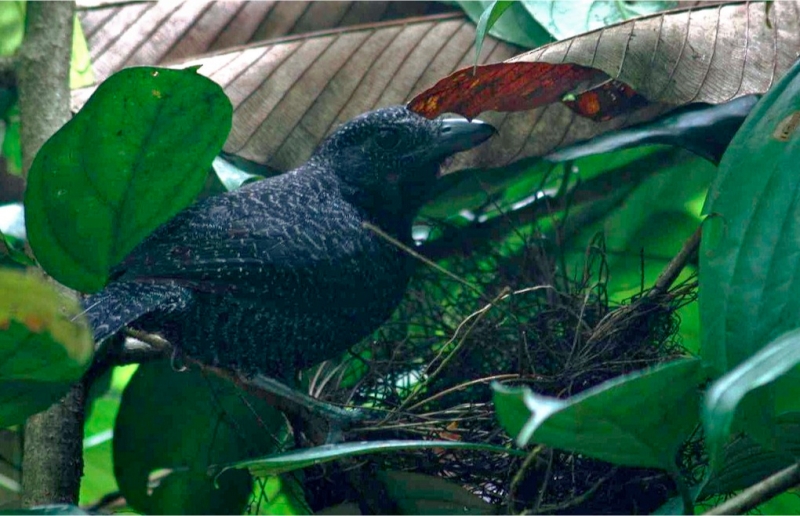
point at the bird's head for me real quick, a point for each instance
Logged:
(388, 160)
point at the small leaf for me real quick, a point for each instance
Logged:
(136, 154)
(42, 350)
(233, 173)
(724, 395)
(639, 419)
(487, 21)
(299, 459)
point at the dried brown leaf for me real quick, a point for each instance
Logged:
(288, 95)
(121, 34)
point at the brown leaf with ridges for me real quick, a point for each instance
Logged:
(121, 34)
(288, 94)
(702, 54)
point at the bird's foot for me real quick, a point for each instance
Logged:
(323, 423)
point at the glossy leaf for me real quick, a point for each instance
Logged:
(42, 350)
(202, 420)
(233, 172)
(748, 272)
(135, 155)
(638, 419)
(304, 458)
(750, 251)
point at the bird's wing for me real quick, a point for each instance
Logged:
(205, 248)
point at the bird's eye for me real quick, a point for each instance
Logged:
(387, 139)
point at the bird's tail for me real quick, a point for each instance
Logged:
(122, 303)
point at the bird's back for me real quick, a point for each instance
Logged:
(279, 273)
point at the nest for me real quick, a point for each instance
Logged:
(508, 319)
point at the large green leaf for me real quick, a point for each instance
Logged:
(750, 253)
(136, 154)
(181, 423)
(749, 264)
(638, 419)
(42, 350)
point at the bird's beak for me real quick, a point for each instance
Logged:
(459, 134)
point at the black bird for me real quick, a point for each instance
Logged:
(282, 274)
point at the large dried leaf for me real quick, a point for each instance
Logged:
(288, 95)
(711, 54)
(124, 34)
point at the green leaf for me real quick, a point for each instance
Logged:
(516, 27)
(751, 239)
(304, 458)
(415, 493)
(638, 419)
(750, 255)
(42, 351)
(566, 19)
(487, 21)
(204, 420)
(724, 395)
(136, 154)
(231, 174)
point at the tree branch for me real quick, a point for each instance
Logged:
(52, 461)
(761, 492)
(43, 74)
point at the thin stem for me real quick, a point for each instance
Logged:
(761, 492)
